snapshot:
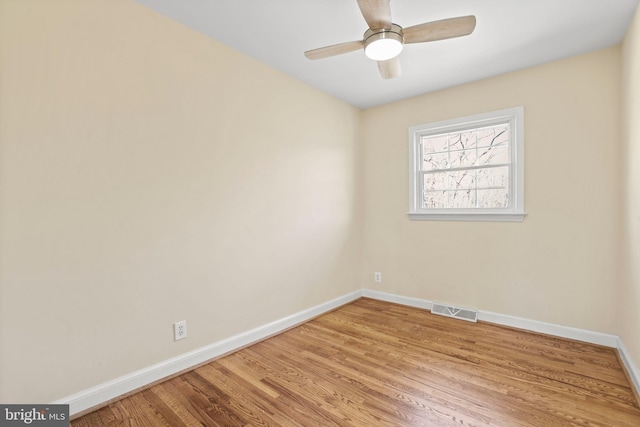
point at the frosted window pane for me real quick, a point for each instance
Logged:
(462, 158)
(435, 181)
(493, 155)
(493, 177)
(462, 179)
(462, 199)
(435, 161)
(493, 198)
(436, 199)
(493, 135)
(435, 144)
(455, 180)
(462, 140)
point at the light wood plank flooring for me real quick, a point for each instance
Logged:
(372, 363)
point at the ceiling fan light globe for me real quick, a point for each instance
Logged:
(382, 45)
(383, 49)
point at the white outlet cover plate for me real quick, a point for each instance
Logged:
(180, 330)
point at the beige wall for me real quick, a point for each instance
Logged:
(561, 264)
(630, 296)
(147, 175)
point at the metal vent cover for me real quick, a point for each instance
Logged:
(455, 312)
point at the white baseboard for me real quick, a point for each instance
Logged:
(398, 299)
(102, 393)
(607, 340)
(110, 390)
(632, 369)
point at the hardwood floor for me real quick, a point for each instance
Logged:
(372, 363)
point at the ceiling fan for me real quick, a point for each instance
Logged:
(383, 41)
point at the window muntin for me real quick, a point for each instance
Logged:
(469, 168)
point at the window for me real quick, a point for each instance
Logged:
(468, 169)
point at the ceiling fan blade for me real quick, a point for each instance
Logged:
(440, 30)
(390, 68)
(377, 13)
(333, 50)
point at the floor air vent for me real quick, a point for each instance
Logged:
(455, 312)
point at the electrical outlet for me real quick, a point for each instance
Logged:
(180, 330)
(377, 277)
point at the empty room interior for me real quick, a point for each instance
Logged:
(152, 173)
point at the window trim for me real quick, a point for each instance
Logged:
(515, 211)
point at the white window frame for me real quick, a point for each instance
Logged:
(514, 212)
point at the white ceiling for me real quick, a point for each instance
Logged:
(510, 35)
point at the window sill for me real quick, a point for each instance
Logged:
(496, 217)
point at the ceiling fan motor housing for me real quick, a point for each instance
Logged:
(383, 44)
